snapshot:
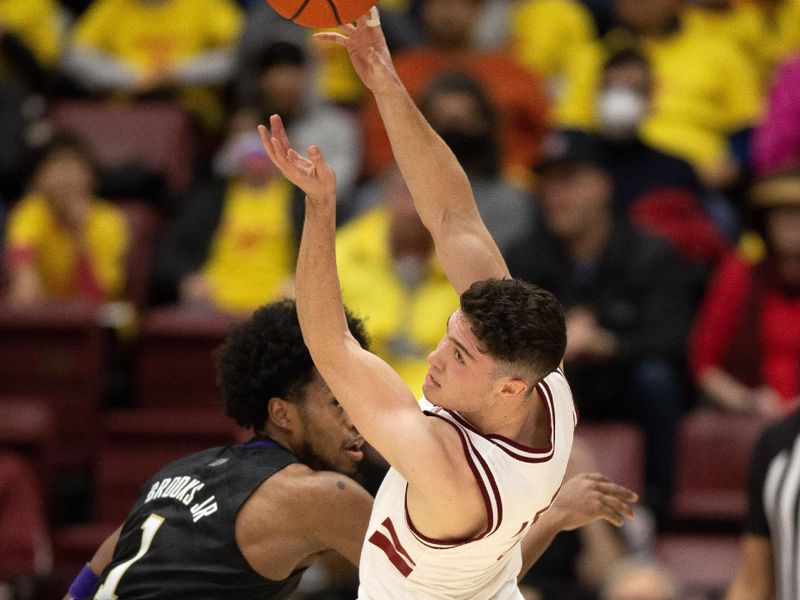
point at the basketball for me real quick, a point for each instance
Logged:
(321, 14)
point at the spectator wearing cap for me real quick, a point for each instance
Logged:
(626, 297)
(746, 339)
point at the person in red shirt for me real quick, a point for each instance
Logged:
(518, 94)
(745, 347)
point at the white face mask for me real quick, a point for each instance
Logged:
(620, 110)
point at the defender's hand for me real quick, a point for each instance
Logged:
(366, 45)
(311, 174)
(590, 496)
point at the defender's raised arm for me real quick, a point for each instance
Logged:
(437, 182)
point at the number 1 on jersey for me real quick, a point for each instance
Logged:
(149, 528)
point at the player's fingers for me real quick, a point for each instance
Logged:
(609, 515)
(373, 18)
(331, 36)
(618, 506)
(347, 28)
(267, 143)
(279, 132)
(299, 159)
(613, 489)
(594, 476)
(315, 154)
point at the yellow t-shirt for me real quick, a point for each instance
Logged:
(148, 35)
(252, 253)
(153, 36)
(546, 33)
(404, 326)
(34, 234)
(37, 23)
(705, 88)
(746, 24)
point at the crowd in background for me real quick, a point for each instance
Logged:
(640, 159)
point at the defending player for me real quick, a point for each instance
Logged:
(473, 473)
(244, 521)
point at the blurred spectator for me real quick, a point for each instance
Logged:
(519, 96)
(386, 260)
(746, 338)
(765, 30)
(284, 87)
(576, 563)
(62, 241)
(707, 91)
(173, 48)
(768, 563)
(334, 77)
(659, 191)
(635, 580)
(26, 546)
(459, 110)
(231, 246)
(546, 33)
(776, 141)
(627, 303)
(30, 44)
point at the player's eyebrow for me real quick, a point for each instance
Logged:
(455, 341)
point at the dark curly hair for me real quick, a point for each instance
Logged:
(517, 323)
(266, 357)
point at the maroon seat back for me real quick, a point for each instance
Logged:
(174, 363)
(618, 450)
(711, 466)
(157, 135)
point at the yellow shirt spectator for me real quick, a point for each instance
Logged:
(188, 44)
(764, 37)
(705, 88)
(252, 254)
(37, 23)
(36, 237)
(149, 35)
(545, 35)
(404, 324)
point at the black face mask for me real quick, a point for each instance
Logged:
(477, 153)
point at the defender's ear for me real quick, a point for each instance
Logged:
(513, 387)
(281, 412)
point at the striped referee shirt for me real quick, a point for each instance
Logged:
(774, 500)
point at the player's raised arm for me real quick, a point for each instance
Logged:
(437, 182)
(377, 400)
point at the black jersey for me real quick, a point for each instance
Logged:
(774, 500)
(179, 540)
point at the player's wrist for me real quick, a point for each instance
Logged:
(84, 584)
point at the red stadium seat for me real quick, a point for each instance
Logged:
(56, 352)
(28, 427)
(711, 466)
(143, 224)
(618, 450)
(25, 547)
(174, 364)
(703, 564)
(157, 135)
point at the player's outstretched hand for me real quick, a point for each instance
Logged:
(368, 51)
(587, 497)
(311, 174)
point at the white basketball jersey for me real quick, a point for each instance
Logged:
(518, 484)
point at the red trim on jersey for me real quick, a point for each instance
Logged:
(382, 542)
(493, 484)
(390, 528)
(516, 449)
(491, 523)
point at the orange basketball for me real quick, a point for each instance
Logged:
(321, 14)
